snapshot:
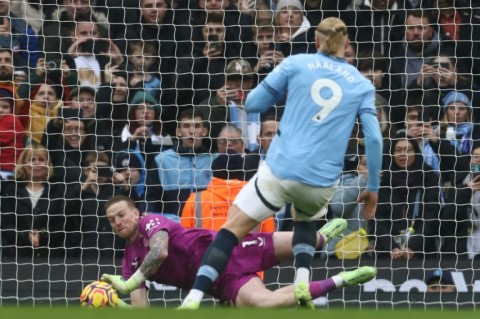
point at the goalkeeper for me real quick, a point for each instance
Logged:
(165, 252)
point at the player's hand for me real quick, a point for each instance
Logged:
(369, 200)
(122, 286)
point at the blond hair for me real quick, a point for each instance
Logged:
(27, 153)
(333, 34)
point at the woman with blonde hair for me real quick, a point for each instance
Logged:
(39, 216)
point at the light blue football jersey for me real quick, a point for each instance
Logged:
(325, 96)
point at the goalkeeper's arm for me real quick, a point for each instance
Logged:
(158, 245)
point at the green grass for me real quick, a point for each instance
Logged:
(230, 313)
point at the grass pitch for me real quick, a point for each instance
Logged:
(231, 313)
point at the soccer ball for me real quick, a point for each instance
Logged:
(99, 294)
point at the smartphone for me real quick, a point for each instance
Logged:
(214, 42)
(71, 113)
(475, 169)
(104, 171)
(100, 46)
(437, 65)
(286, 48)
(95, 46)
(86, 46)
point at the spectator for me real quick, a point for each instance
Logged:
(141, 58)
(154, 26)
(418, 46)
(267, 55)
(56, 33)
(292, 28)
(378, 24)
(15, 33)
(83, 98)
(458, 24)
(31, 12)
(68, 141)
(460, 216)
(11, 134)
(97, 187)
(199, 76)
(238, 34)
(439, 77)
(130, 173)
(112, 100)
(208, 209)
(458, 115)
(91, 53)
(374, 66)
(227, 105)
(230, 138)
(440, 281)
(407, 217)
(39, 214)
(172, 40)
(177, 172)
(44, 104)
(438, 153)
(6, 81)
(268, 129)
(143, 133)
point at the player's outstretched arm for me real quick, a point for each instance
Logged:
(373, 146)
(158, 253)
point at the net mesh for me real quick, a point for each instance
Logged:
(96, 96)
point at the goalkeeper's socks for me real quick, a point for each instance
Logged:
(322, 287)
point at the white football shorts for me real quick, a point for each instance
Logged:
(265, 194)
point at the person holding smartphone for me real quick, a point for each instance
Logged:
(460, 216)
(268, 52)
(197, 77)
(97, 188)
(439, 76)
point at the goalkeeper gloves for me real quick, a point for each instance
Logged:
(122, 286)
(122, 304)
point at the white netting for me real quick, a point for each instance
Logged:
(96, 96)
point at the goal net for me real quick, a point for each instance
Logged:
(145, 99)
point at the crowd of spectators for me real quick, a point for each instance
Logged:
(145, 98)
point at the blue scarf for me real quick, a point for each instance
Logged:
(431, 158)
(463, 143)
(236, 120)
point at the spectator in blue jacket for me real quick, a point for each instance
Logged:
(181, 170)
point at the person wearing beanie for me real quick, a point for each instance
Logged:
(208, 209)
(11, 134)
(129, 173)
(143, 132)
(44, 105)
(441, 281)
(293, 30)
(458, 115)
